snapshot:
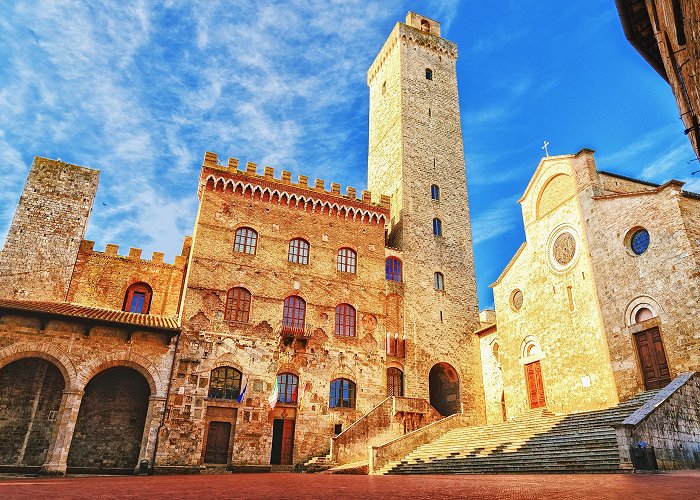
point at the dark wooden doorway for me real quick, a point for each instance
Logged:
(282, 442)
(218, 437)
(652, 358)
(535, 387)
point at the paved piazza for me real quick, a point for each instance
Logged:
(675, 485)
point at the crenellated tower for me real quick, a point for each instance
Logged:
(416, 156)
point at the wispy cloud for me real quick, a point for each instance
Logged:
(496, 221)
(669, 160)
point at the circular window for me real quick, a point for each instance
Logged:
(564, 248)
(639, 241)
(516, 299)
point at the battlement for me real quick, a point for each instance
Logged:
(112, 251)
(249, 175)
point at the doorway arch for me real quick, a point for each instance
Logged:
(112, 416)
(444, 389)
(30, 398)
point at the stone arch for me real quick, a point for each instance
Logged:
(109, 429)
(557, 189)
(641, 302)
(530, 349)
(443, 383)
(128, 360)
(227, 359)
(44, 351)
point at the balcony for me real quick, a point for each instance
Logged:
(395, 345)
(296, 332)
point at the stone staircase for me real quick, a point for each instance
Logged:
(317, 464)
(538, 441)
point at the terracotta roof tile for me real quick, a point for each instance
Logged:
(94, 313)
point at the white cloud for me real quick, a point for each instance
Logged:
(498, 220)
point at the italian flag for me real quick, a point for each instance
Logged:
(275, 395)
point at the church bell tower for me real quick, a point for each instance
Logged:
(416, 156)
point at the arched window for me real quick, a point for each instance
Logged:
(138, 298)
(643, 314)
(437, 227)
(439, 281)
(393, 269)
(345, 320)
(394, 382)
(342, 393)
(237, 305)
(294, 312)
(288, 385)
(298, 251)
(435, 192)
(246, 240)
(347, 260)
(225, 383)
(425, 26)
(428, 74)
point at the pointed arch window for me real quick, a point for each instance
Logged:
(224, 383)
(347, 260)
(393, 269)
(437, 227)
(298, 251)
(439, 281)
(294, 313)
(237, 305)
(288, 385)
(342, 393)
(138, 298)
(246, 240)
(345, 320)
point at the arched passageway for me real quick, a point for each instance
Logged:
(30, 397)
(110, 423)
(444, 389)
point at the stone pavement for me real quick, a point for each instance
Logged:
(676, 485)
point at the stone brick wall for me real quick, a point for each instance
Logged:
(492, 373)
(560, 314)
(29, 402)
(416, 141)
(49, 224)
(663, 279)
(256, 348)
(101, 279)
(76, 352)
(670, 422)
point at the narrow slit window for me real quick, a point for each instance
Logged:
(435, 190)
(439, 281)
(437, 227)
(428, 74)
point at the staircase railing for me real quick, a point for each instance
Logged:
(670, 422)
(394, 416)
(394, 450)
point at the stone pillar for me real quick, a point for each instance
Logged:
(154, 416)
(57, 457)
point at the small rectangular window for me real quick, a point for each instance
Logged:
(435, 190)
(428, 74)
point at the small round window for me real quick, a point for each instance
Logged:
(639, 241)
(516, 299)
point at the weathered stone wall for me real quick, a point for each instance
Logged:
(101, 279)
(416, 141)
(29, 401)
(663, 279)
(492, 374)
(559, 315)
(256, 348)
(670, 422)
(79, 352)
(50, 221)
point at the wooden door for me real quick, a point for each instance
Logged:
(218, 437)
(535, 387)
(652, 358)
(282, 441)
(287, 442)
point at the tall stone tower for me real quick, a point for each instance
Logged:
(42, 244)
(416, 156)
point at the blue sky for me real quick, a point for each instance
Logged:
(140, 89)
